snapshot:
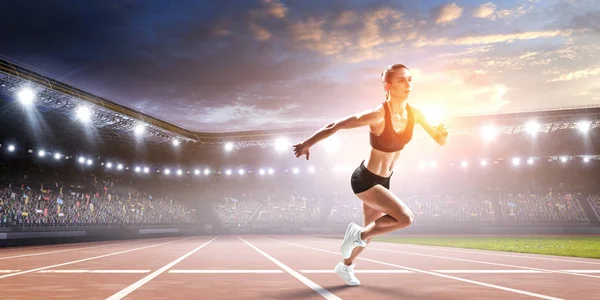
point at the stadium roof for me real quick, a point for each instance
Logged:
(64, 99)
(61, 98)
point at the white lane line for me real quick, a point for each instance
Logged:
(436, 274)
(126, 291)
(359, 271)
(96, 271)
(86, 259)
(584, 271)
(9, 271)
(65, 250)
(317, 288)
(490, 271)
(484, 262)
(384, 271)
(226, 271)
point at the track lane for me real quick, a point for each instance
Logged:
(562, 285)
(52, 249)
(244, 277)
(379, 286)
(43, 281)
(33, 262)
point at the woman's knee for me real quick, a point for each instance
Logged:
(405, 219)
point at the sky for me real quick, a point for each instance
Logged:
(222, 66)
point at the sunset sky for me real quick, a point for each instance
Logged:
(216, 66)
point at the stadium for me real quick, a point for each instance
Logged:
(282, 149)
(77, 168)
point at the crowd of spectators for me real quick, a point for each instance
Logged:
(55, 200)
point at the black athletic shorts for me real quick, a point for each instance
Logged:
(362, 179)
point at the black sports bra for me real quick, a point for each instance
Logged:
(389, 140)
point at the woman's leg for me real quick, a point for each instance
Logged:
(385, 213)
(397, 214)
(369, 216)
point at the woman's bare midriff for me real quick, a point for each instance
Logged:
(382, 163)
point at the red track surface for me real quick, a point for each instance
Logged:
(285, 267)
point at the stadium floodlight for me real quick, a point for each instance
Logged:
(109, 165)
(138, 169)
(89, 162)
(295, 170)
(57, 156)
(241, 171)
(483, 163)
(228, 172)
(271, 171)
(584, 126)
(530, 160)
(81, 160)
(167, 171)
(332, 144)
(84, 114)
(42, 153)
(261, 171)
(120, 167)
(311, 169)
(532, 127)
(228, 146)
(563, 159)
(179, 172)
(196, 172)
(464, 164)
(26, 96)
(586, 159)
(11, 148)
(206, 171)
(139, 129)
(176, 142)
(282, 144)
(488, 132)
(516, 161)
(146, 170)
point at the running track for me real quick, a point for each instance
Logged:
(285, 267)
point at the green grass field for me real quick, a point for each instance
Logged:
(575, 246)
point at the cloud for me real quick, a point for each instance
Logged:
(588, 21)
(488, 11)
(354, 36)
(346, 18)
(492, 39)
(518, 60)
(448, 13)
(579, 74)
(275, 8)
(469, 51)
(259, 32)
(484, 10)
(222, 28)
(245, 65)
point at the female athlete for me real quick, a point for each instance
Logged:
(391, 127)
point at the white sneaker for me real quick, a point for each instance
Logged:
(347, 273)
(352, 240)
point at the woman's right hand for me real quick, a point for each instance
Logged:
(301, 149)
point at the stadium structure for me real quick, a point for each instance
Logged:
(45, 121)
